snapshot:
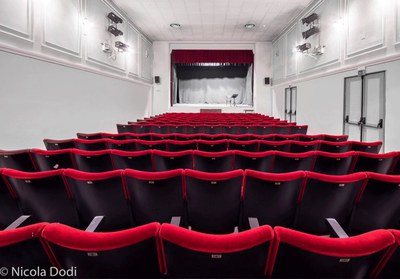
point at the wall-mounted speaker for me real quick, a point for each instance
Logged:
(157, 79)
(266, 80)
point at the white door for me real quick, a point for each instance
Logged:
(290, 104)
(364, 110)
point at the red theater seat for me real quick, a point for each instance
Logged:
(333, 163)
(213, 200)
(155, 197)
(271, 198)
(17, 159)
(190, 254)
(100, 194)
(131, 253)
(165, 160)
(378, 206)
(22, 248)
(299, 255)
(138, 160)
(43, 195)
(328, 196)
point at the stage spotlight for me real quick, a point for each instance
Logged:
(310, 32)
(116, 32)
(116, 19)
(311, 18)
(121, 47)
(303, 47)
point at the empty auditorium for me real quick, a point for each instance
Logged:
(200, 139)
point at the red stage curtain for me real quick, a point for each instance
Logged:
(186, 56)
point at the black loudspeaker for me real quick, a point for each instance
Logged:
(157, 79)
(266, 80)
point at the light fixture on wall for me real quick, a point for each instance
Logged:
(105, 47)
(114, 18)
(113, 22)
(121, 47)
(304, 47)
(311, 22)
(113, 30)
(312, 31)
(310, 19)
(308, 50)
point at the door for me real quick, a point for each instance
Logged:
(290, 104)
(364, 109)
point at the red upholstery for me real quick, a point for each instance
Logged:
(72, 238)
(212, 243)
(89, 152)
(275, 176)
(213, 176)
(253, 154)
(335, 155)
(80, 175)
(355, 246)
(9, 237)
(51, 152)
(30, 175)
(348, 178)
(130, 153)
(152, 175)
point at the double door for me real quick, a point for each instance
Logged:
(364, 107)
(290, 104)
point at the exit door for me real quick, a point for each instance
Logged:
(290, 104)
(364, 108)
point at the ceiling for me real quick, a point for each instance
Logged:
(210, 20)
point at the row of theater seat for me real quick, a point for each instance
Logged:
(218, 145)
(158, 160)
(167, 250)
(178, 136)
(210, 118)
(183, 121)
(282, 128)
(207, 202)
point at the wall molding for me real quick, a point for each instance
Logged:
(77, 66)
(368, 63)
(376, 45)
(28, 36)
(48, 44)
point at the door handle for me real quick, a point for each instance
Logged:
(380, 124)
(346, 119)
(361, 122)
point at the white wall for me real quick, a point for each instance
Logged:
(57, 81)
(162, 68)
(357, 34)
(262, 69)
(40, 99)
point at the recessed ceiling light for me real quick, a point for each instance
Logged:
(175, 25)
(249, 25)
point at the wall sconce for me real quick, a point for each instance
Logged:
(114, 18)
(310, 19)
(304, 47)
(121, 47)
(312, 31)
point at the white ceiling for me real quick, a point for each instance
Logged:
(210, 20)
